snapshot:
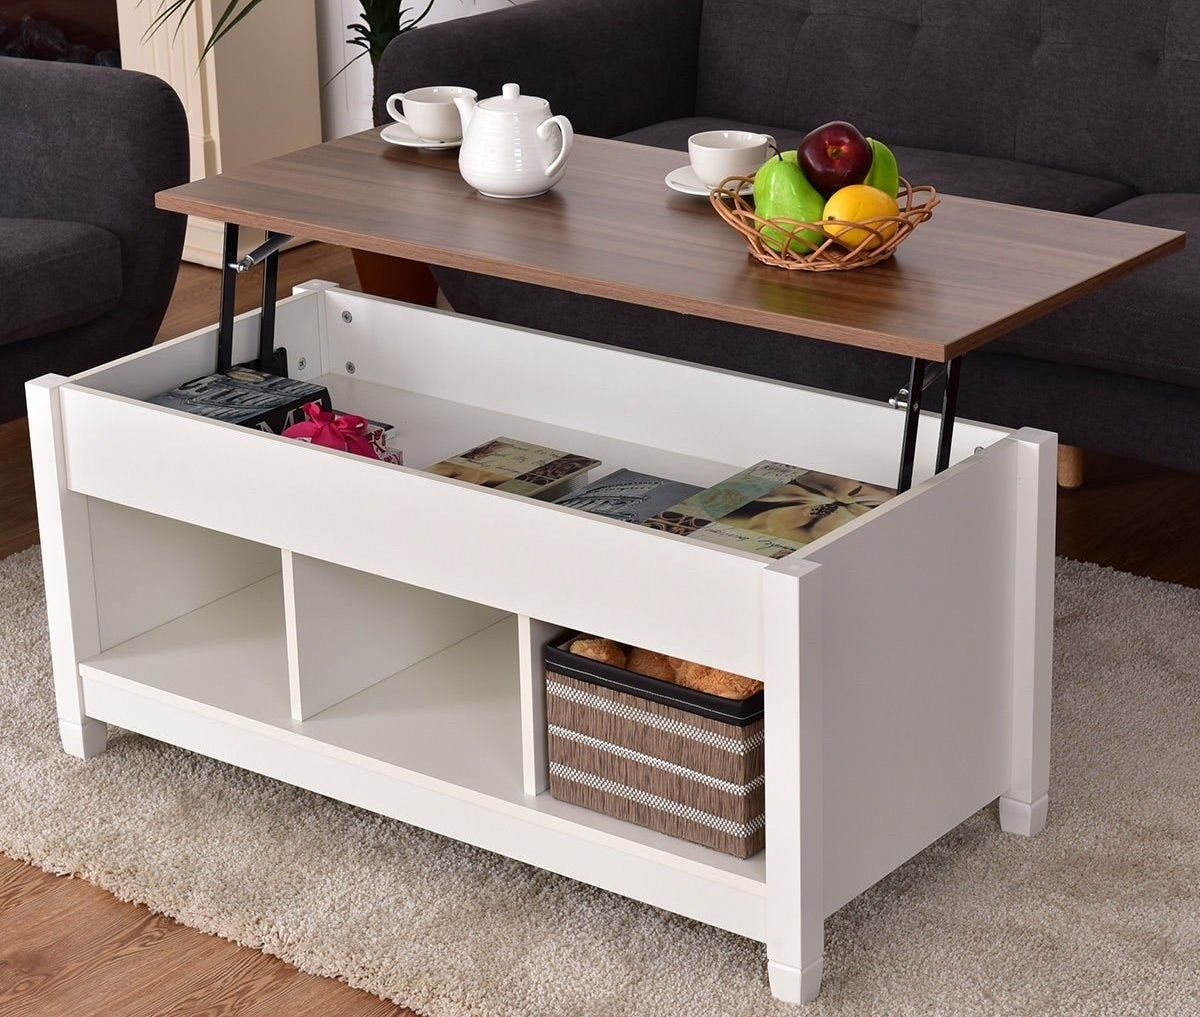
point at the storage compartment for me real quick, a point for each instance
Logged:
(648, 751)
(150, 570)
(376, 633)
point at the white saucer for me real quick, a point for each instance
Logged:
(402, 134)
(685, 181)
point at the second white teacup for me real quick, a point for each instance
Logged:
(430, 111)
(716, 155)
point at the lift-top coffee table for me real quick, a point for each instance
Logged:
(190, 564)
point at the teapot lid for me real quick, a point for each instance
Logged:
(512, 101)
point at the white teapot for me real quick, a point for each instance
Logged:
(512, 147)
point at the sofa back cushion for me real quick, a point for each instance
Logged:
(1107, 88)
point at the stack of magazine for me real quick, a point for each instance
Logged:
(769, 509)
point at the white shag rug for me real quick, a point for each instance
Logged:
(1100, 915)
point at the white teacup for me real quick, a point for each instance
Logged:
(716, 155)
(430, 111)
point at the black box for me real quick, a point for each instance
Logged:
(246, 396)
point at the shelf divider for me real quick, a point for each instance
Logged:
(532, 635)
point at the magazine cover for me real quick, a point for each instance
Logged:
(520, 467)
(247, 396)
(628, 495)
(771, 508)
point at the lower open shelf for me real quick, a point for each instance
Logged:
(437, 744)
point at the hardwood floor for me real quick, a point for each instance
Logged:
(66, 946)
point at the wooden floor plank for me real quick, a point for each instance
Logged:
(69, 944)
(19, 883)
(66, 946)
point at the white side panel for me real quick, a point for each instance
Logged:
(350, 629)
(918, 621)
(150, 569)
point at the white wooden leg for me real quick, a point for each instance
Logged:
(795, 912)
(67, 565)
(1023, 807)
(1022, 817)
(83, 740)
(793, 985)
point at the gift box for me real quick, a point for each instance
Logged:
(346, 432)
(682, 762)
(381, 438)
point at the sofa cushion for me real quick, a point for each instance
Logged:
(972, 176)
(1146, 324)
(54, 275)
(1100, 87)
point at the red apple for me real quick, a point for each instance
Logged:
(833, 156)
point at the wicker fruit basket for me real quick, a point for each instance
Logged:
(877, 239)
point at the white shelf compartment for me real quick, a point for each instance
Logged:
(438, 744)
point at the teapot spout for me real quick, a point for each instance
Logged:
(466, 109)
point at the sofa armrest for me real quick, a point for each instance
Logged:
(610, 66)
(87, 144)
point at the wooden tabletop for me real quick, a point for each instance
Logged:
(613, 229)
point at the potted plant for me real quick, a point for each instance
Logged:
(381, 22)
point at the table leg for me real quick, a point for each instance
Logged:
(267, 253)
(1024, 806)
(267, 360)
(912, 416)
(229, 272)
(949, 404)
(792, 745)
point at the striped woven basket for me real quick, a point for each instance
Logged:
(661, 766)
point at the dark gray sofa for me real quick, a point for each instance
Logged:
(87, 264)
(1082, 106)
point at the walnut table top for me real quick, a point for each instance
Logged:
(611, 228)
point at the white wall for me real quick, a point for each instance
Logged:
(346, 100)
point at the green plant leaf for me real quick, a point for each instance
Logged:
(382, 21)
(164, 15)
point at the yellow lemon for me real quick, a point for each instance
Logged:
(860, 203)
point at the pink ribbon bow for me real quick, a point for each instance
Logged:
(346, 433)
